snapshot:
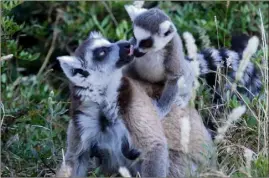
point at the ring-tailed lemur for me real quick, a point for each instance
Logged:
(230, 62)
(177, 146)
(160, 56)
(211, 59)
(96, 129)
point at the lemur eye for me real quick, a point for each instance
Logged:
(167, 33)
(102, 53)
(147, 43)
(82, 72)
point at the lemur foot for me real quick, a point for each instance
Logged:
(127, 151)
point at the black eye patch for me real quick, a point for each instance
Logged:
(167, 33)
(100, 53)
(82, 72)
(170, 30)
(147, 43)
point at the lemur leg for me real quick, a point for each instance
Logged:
(76, 161)
(181, 165)
(156, 162)
(81, 164)
(141, 119)
(167, 98)
(129, 152)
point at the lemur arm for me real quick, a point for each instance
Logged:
(173, 70)
(164, 103)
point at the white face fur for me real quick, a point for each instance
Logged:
(147, 41)
(98, 66)
(95, 64)
(159, 40)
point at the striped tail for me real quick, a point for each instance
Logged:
(228, 61)
(213, 60)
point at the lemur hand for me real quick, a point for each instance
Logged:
(164, 104)
(161, 111)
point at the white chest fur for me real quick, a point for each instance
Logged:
(150, 67)
(91, 98)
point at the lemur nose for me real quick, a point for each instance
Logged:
(125, 47)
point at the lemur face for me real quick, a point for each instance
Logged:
(96, 60)
(152, 29)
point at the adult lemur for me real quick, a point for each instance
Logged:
(96, 129)
(160, 58)
(176, 147)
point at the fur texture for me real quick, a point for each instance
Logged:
(155, 26)
(96, 129)
(249, 83)
(183, 150)
(160, 57)
(229, 60)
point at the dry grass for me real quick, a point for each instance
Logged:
(243, 143)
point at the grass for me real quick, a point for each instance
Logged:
(242, 138)
(33, 130)
(34, 108)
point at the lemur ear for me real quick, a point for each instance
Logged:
(68, 63)
(133, 11)
(166, 28)
(95, 34)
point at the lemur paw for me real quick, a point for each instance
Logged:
(182, 100)
(179, 101)
(110, 111)
(127, 151)
(160, 111)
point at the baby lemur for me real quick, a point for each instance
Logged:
(159, 56)
(96, 128)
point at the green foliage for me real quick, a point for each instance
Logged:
(35, 108)
(10, 29)
(34, 128)
(9, 5)
(9, 26)
(259, 168)
(197, 17)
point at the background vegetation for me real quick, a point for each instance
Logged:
(34, 94)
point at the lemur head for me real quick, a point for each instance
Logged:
(96, 61)
(152, 28)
